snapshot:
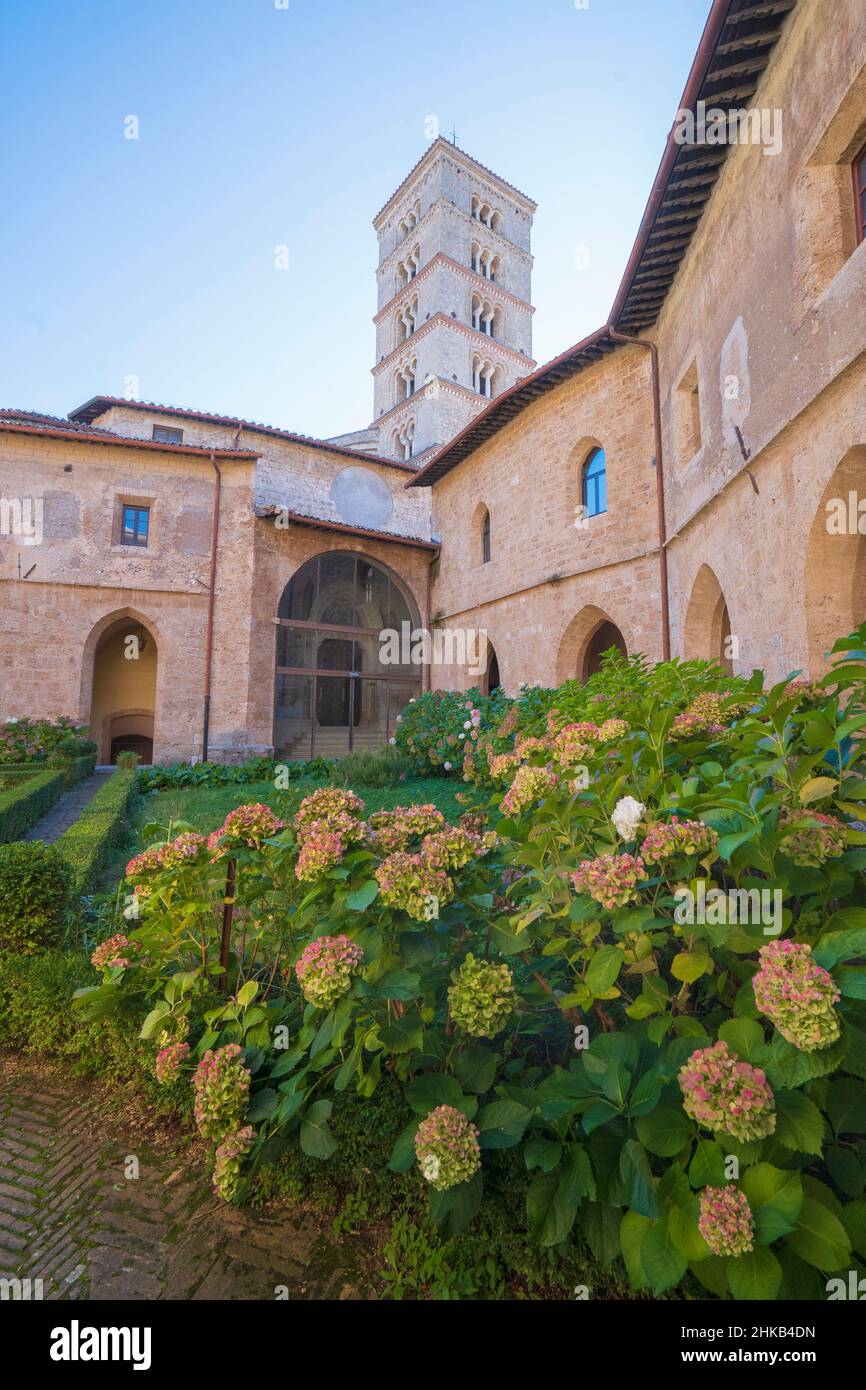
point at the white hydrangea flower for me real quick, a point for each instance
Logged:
(447, 767)
(430, 1167)
(626, 816)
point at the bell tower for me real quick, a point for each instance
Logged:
(454, 320)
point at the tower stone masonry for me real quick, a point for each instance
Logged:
(454, 319)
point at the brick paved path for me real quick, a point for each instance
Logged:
(66, 809)
(71, 1215)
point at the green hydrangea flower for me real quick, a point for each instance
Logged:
(481, 997)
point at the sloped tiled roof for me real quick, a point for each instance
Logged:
(54, 427)
(326, 524)
(97, 405)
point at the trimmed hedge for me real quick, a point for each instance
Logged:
(22, 805)
(73, 769)
(36, 886)
(88, 845)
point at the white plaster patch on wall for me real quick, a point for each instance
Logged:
(362, 498)
(734, 383)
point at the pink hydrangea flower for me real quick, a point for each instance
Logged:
(812, 844)
(726, 1094)
(611, 879)
(169, 1061)
(530, 784)
(412, 884)
(725, 1221)
(116, 950)
(797, 994)
(676, 839)
(325, 969)
(222, 1090)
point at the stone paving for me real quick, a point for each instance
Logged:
(74, 1214)
(66, 809)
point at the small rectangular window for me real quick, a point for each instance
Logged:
(135, 525)
(166, 434)
(687, 415)
(860, 194)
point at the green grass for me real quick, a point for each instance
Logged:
(204, 808)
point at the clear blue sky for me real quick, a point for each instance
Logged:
(262, 126)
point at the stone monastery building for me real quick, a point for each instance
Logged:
(673, 484)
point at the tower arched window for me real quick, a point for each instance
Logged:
(483, 376)
(483, 316)
(407, 319)
(485, 539)
(406, 379)
(403, 440)
(594, 487)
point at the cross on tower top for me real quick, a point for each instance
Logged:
(453, 136)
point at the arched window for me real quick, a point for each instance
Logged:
(406, 320)
(342, 675)
(483, 316)
(485, 539)
(403, 441)
(405, 379)
(595, 483)
(483, 376)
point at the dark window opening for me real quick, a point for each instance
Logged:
(485, 539)
(860, 194)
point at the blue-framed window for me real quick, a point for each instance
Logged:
(135, 525)
(595, 483)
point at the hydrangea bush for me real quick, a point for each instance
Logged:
(640, 959)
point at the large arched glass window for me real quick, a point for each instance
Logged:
(595, 483)
(344, 667)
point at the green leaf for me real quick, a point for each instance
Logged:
(632, 1230)
(475, 1069)
(707, 1168)
(542, 1152)
(262, 1105)
(603, 970)
(845, 1169)
(689, 966)
(549, 1217)
(636, 1173)
(403, 1153)
(853, 1218)
(836, 946)
(799, 1124)
(248, 992)
(432, 1089)
(317, 1141)
(502, 1124)
(743, 1036)
(397, 984)
(683, 1227)
(451, 1211)
(405, 1035)
(666, 1130)
(820, 1238)
(846, 1106)
(665, 1265)
(361, 898)
(757, 1275)
(776, 1199)
(601, 1224)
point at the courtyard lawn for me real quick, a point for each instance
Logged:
(204, 808)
